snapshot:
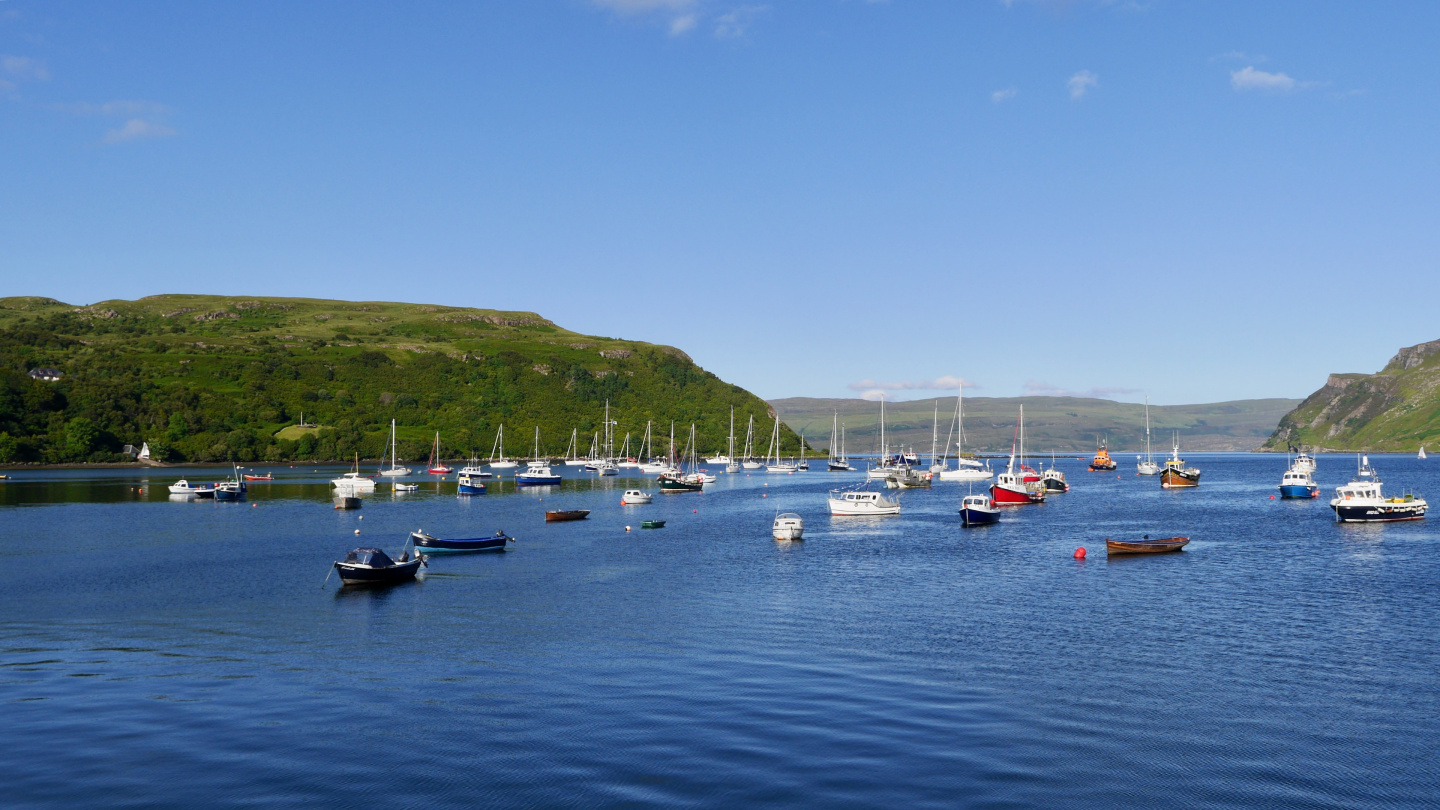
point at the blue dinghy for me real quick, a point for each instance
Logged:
(429, 544)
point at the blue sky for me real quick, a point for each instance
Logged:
(1198, 200)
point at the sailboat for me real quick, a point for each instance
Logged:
(647, 452)
(935, 464)
(626, 460)
(747, 461)
(572, 450)
(537, 472)
(773, 464)
(352, 480)
(606, 464)
(1010, 487)
(732, 466)
(498, 461)
(436, 466)
(965, 469)
(837, 462)
(1421, 455)
(394, 470)
(1148, 466)
(673, 480)
(887, 466)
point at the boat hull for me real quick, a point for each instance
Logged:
(842, 508)
(1165, 546)
(537, 480)
(471, 489)
(365, 575)
(229, 495)
(1299, 490)
(672, 485)
(1004, 496)
(1379, 513)
(970, 516)
(1056, 485)
(1176, 479)
(652, 524)
(435, 545)
(562, 515)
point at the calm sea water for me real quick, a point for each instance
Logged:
(157, 653)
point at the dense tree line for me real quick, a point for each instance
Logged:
(128, 383)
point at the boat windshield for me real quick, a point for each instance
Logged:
(373, 557)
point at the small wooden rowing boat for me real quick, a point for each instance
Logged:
(1146, 546)
(558, 515)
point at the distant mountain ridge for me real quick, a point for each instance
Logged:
(1061, 424)
(1396, 408)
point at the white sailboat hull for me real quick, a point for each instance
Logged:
(967, 474)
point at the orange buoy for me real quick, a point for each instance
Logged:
(694, 511)
(1272, 497)
(1080, 553)
(763, 495)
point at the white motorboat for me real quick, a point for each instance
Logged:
(399, 487)
(1148, 466)
(859, 502)
(720, 459)
(354, 480)
(1304, 462)
(1361, 501)
(789, 526)
(633, 497)
(394, 470)
(182, 487)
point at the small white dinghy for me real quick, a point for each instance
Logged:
(789, 526)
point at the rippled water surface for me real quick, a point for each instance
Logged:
(159, 653)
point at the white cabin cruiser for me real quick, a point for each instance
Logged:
(1361, 501)
(633, 497)
(789, 526)
(852, 502)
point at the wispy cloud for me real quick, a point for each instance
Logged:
(734, 23)
(1239, 56)
(682, 14)
(1036, 388)
(1248, 78)
(1003, 95)
(873, 390)
(138, 129)
(1080, 84)
(23, 68)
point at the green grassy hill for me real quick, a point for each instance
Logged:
(206, 378)
(1062, 424)
(1397, 408)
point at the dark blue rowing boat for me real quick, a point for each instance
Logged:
(429, 544)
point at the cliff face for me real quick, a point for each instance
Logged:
(1397, 408)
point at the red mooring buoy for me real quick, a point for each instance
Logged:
(1080, 553)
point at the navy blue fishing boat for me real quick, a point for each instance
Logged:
(371, 566)
(978, 510)
(429, 544)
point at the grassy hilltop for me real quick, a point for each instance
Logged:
(206, 378)
(1397, 408)
(1061, 424)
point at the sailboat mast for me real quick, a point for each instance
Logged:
(730, 452)
(934, 432)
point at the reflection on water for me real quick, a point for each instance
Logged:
(159, 650)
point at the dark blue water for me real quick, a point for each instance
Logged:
(155, 653)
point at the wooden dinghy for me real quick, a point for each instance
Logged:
(558, 515)
(1146, 546)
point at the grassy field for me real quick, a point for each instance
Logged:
(1061, 424)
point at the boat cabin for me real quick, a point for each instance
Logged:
(373, 557)
(976, 501)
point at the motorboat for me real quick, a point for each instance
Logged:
(394, 470)
(371, 566)
(1147, 466)
(400, 487)
(182, 487)
(1176, 475)
(1012, 487)
(253, 477)
(860, 502)
(468, 483)
(1361, 500)
(907, 478)
(635, 497)
(652, 524)
(1145, 546)
(978, 510)
(430, 544)
(1304, 462)
(354, 480)
(1297, 483)
(1053, 480)
(537, 473)
(475, 469)
(1102, 461)
(788, 526)
(719, 459)
(563, 515)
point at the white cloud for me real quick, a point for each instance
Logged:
(1003, 95)
(1248, 78)
(870, 389)
(1081, 82)
(734, 23)
(138, 129)
(681, 24)
(23, 67)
